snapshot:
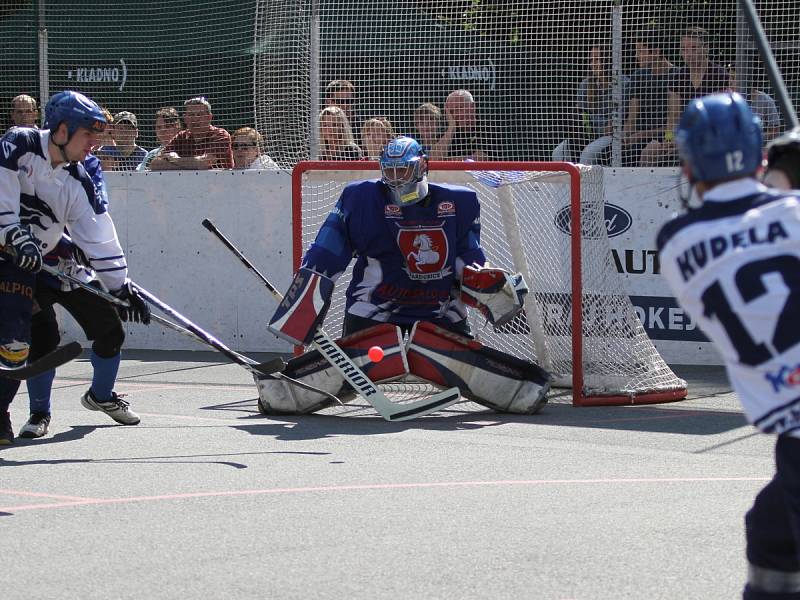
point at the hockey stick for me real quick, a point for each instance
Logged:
(268, 369)
(51, 360)
(346, 367)
(186, 328)
(773, 72)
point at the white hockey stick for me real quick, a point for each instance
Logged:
(359, 381)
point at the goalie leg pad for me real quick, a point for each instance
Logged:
(303, 308)
(484, 375)
(278, 396)
(495, 292)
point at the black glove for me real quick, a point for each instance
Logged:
(138, 312)
(24, 247)
(783, 153)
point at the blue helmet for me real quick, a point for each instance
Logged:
(719, 138)
(74, 109)
(404, 168)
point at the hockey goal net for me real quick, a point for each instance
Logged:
(545, 220)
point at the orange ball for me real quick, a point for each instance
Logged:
(375, 354)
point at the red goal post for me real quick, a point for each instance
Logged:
(545, 220)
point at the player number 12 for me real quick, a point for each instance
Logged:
(750, 283)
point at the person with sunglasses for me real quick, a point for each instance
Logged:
(248, 146)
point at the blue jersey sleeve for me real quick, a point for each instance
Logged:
(95, 172)
(332, 250)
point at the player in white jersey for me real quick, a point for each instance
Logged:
(734, 265)
(43, 191)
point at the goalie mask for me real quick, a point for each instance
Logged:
(404, 170)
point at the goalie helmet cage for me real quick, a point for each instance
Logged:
(545, 220)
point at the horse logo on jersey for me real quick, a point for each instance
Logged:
(425, 251)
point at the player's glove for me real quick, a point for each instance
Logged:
(783, 153)
(24, 247)
(138, 311)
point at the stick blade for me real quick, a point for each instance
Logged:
(54, 359)
(271, 366)
(425, 406)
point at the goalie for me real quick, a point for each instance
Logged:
(419, 263)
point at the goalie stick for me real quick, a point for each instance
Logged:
(346, 367)
(51, 360)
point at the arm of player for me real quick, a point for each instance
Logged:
(495, 292)
(9, 181)
(305, 304)
(92, 230)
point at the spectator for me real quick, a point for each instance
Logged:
(167, 126)
(375, 133)
(647, 111)
(125, 153)
(342, 93)
(761, 103)
(336, 136)
(699, 77)
(200, 146)
(248, 148)
(24, 111)
(460, 140)
(595, 105)
(428, 129)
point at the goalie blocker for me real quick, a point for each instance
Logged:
(443, 358)
(303, 308)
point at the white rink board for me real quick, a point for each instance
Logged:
(158, 218)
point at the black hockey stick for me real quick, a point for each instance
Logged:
(51, 360)
(773, 72)
(186, 327)
(346, 367)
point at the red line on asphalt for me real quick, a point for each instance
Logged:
(362, 487)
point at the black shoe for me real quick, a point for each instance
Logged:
(6, 433)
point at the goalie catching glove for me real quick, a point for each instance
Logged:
(493, 291)
(303, 308)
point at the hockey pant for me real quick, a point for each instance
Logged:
(16, 307)
(772, 528)
(436, 355)
(98, 319)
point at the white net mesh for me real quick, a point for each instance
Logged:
(525, 227)
(267, 63)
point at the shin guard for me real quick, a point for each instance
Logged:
(484, 375)
(278, 396)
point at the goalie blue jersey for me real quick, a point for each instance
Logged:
(408, 259)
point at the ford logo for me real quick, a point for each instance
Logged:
(617, 221)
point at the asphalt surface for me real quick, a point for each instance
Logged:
(208, 499)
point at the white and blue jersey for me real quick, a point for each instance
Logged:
(48, 200)
(408, 259)
(734, 266)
